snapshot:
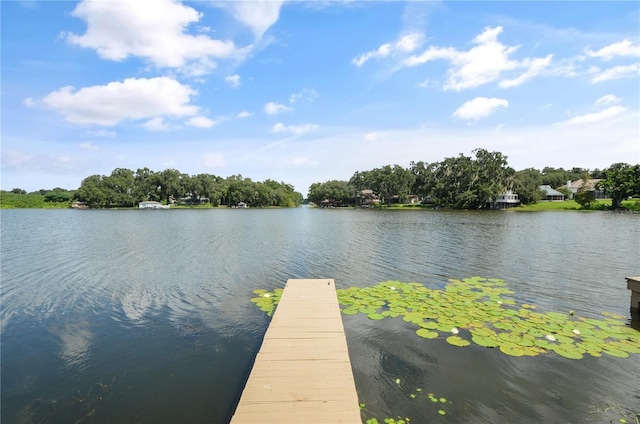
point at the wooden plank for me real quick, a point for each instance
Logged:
(302, 373)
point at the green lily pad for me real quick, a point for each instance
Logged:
(484, 341)
(457, 341)
(568, 352)
(426, 333)
(512, 350)
(616, 352)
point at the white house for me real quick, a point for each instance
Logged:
(150, 204)
(509, 199)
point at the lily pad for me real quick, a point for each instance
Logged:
(426, 333)
(457, 341)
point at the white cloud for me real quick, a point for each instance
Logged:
(535, 67)
(590, 118)
(486, 62)
(480, 107)
(233, 80)
(302, 161)
(154, 30)
(273, 108)
(245, 114)
(88, 146)
(294, 129)
(372, 136)
(201, 122)
(117, 101)
(213, 160)
(308, 94)
(623, 48)
(405, 44)
(617, 72)
(608, 99)
(102, 133)
(156, 124)
(258, 15)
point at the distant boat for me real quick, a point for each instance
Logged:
(242, 205)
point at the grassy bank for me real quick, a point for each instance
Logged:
(572, 205)
(29, 201)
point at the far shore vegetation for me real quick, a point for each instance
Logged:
(475, 182)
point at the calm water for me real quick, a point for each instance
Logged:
(144, 316)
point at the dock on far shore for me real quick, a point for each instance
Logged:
(302, 373)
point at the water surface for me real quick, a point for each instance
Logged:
(144, 316)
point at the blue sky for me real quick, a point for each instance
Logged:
(306, 92)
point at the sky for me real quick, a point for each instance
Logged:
(311, 91)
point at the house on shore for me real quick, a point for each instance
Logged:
(150, 204)
(79, 205)
(551, 195)
(506, 200)
(590, 185)
(367, 198)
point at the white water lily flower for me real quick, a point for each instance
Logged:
(576, 331)
(550, 338)
(499, 302)
(392, 288)
(454, 330)
(267, 295)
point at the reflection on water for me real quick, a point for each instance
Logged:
(144, 316)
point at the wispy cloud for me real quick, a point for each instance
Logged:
(406, 44)
(201, 122)
(480, 107)
(258, 15)
(616, 72)
(233, 80)
(294, 129)
(608, 99)
(306, 94)
(594, 117)
(488, 61)
(621, 49)
(273, 108)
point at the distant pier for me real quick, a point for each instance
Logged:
(302, 373)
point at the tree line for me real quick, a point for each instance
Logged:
(472, 182)
(125, 188)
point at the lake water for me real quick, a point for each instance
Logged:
(129, 316)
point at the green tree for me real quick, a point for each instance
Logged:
(424, 178)
(58, 195)
(527, 184)
(334, 192)
(585, 195)
(92, 191)
(621, 180)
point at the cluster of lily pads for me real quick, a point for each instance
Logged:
(482, 311)
(267, 301)
(418, 394)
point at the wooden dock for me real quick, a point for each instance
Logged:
(302, 373)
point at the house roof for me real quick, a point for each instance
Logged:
(550, 191)
(591, 183)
